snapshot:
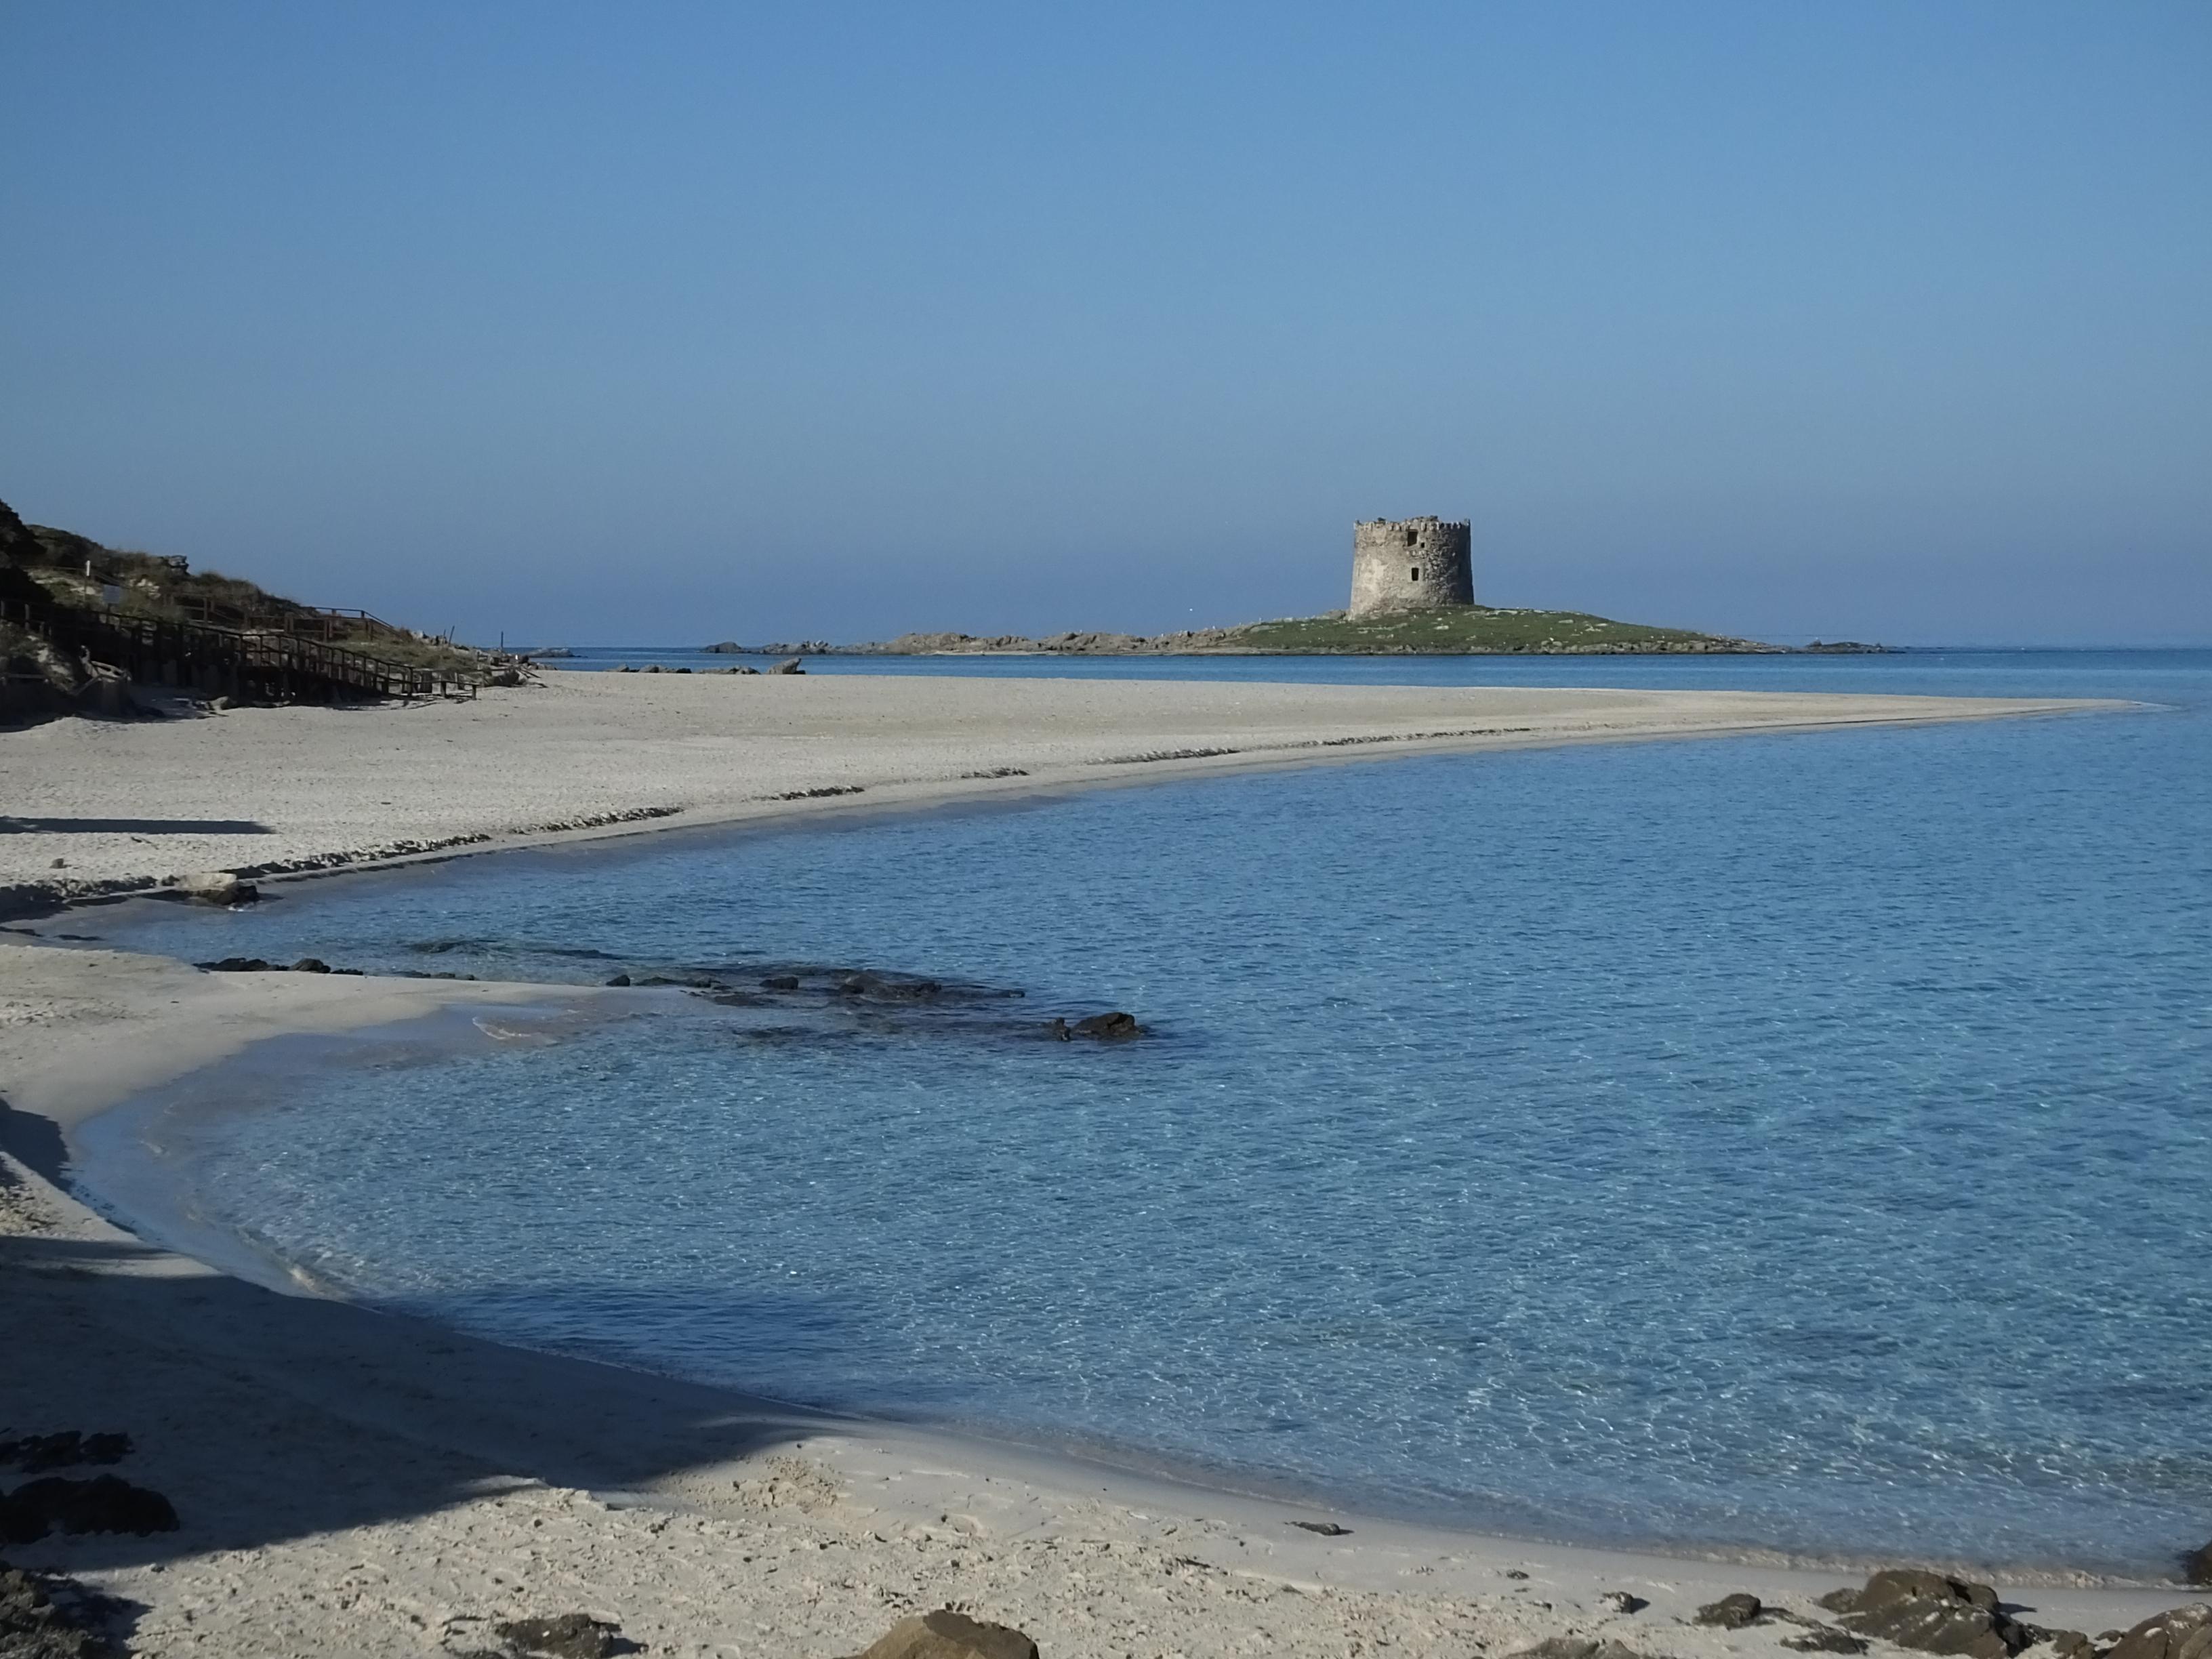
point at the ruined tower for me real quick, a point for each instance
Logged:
(1409, 564)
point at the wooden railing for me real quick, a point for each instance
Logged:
(278, 667)
(307, 623)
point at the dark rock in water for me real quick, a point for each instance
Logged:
(37, 1453)
(1102, 1028)
(1577, 1647)
(2196, 1569)
(853, 984)
(1326, 1528)
(311, 965)
(779, 982)
(1731, 1612)
(686, 982)
(1932, 1612)
(107, 1503)
(240, 965)
(901, 990)
(1824, 1638)
(32, 1627)
(945, 1634)
(1622, 1602)
(2177, 1633)
(619, 979)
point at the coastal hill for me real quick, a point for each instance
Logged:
(1444, 631)
(79, 621)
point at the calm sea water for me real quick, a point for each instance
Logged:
(1794, 1141)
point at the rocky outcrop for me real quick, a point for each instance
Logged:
(32, 1625)
(36, 1454)
(221, 888)
(1823, 1638)
(2196, 1567)
(107, 1503)
(945, 1634)
(1932, 1612)
(2177, 1633)
(1731, 1612)
(789, 665)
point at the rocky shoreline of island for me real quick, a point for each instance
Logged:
(1466, 630)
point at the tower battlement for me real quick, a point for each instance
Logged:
(1410, 564)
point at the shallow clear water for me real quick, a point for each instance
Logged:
(1798, 1141)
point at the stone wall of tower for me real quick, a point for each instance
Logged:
(1410, 564)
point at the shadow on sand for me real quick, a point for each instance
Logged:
(265, 1416)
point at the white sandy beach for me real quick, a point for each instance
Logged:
(123, 805)
(354, 1483)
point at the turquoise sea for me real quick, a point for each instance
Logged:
(1800, 1142)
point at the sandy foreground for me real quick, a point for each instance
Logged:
(351, 1482)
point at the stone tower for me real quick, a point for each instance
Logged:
(1409, 564)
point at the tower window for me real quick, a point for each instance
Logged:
(1415, 573)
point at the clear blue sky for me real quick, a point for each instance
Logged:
(663, 323)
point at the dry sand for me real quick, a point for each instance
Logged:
(355, 1483)
(123, 806)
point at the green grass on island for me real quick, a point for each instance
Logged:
(1474, 629)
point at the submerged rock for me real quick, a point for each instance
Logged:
(34, 1454)
(1117, 1027)
(945, 1634)
(107, 1503)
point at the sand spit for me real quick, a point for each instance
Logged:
(355, 1483)
(88, 808)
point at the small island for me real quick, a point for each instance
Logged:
(1444, 631)
(1413, 594)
